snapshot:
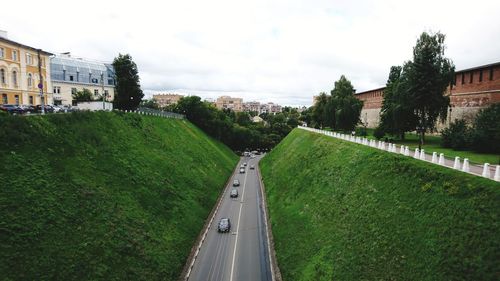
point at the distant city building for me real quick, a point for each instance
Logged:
(19, 73)
(227, 102)
(270, 108)
(167, 99)
(251, 106)
(70, 75)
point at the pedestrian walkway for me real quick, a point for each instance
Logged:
(486, 170)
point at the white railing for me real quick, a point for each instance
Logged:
(484, 170)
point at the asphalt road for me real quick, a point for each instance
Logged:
(241, 254)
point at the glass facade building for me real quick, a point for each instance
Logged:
(67, 69)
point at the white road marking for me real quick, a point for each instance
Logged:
(238, 227)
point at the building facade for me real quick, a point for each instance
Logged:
(167, 99)
(227, 102)
(20, 73)
(251, 106)
(71, 75)
(473, 89)
(270, 108)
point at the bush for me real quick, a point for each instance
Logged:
(378, 133)
(361, 131)
(457, 136)
(486, 135)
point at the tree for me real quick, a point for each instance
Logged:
(429, 74)
(486, 130)
(128, 90)
(150, 103)
(397, 115)
(82, 96)
(344, 107)
(319, 111)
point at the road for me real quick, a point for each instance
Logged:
(243, 253)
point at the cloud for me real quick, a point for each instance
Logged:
(282, 51)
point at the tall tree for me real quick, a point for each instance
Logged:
(344, 107)
(319, 111)
(397, 115)
(128, 90)
(429, 75)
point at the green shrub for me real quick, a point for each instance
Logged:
(457, 136)
(378, 133)
(361, 131)
(486, 136)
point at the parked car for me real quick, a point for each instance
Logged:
(46, 108)
(242, 170)
(236, 182)
(28, 109)
(11, 108)
(252, 167)
(224, 225)
(234, 193)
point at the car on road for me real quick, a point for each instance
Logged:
(224, 225)
(252, 167)
(252, 156)
(234, 193)
(236, 182)
(245, 164)
(242, 170)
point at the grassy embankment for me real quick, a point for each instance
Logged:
(104, 196)
(343, 211)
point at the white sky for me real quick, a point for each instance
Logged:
(282, 51)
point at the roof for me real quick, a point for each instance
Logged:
(372, 90)
(479, 67)
(3, 39)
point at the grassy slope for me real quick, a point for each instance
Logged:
(342, 211)
(105, 196)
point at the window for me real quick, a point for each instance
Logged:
(96, 92)
(3, 79)
(4, 98)
(463, 78)
(491, 73)
(64, 74)
(30, 80)
(17, 99)
(73, 91)
(31, 100)
(481, 75)
(2, 52)
(471, 77)
(57, 90)
(14, 55)
(29, 59)
(71, 78)
(77, 76)
(106, 93)
(14, 78)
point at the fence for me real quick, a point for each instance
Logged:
(485, 170)
(154, 112)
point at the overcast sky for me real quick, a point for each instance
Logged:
(280, 51)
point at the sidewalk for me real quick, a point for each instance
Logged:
(491, 172)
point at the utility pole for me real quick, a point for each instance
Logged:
(40, 85)
(103, 93)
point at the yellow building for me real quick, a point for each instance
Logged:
(167, 99)
(19, 75)
(226, 102)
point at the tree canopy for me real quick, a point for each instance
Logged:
(128, 89)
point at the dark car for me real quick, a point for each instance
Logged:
(224, 225)
(11, 108)
(46, 108)
(252, 167)
(234, 193)
(236, 182)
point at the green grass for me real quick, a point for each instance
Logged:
(343, 211)
(104, 196)
(433, 144)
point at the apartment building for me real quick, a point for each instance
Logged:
(167, 99)
(20, 75)
(70, 75)
(252, 106)
(227, 102)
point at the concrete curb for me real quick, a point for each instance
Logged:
(275, 271)
(195, 250)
